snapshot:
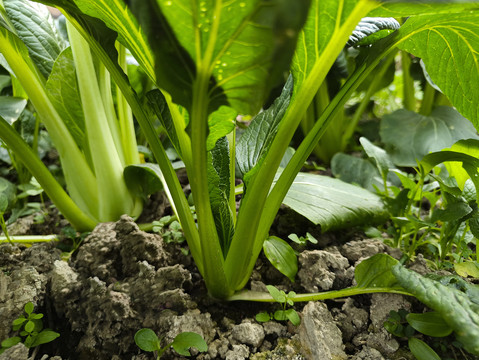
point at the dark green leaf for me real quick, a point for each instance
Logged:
(11, 107)
(354, 170)
(44, 337)
(457, 310)
(410, 136)
(452, 213)
(421, 350)
(456, 71)
(147, 340)
(160, 107)
(8, 343)
(383, 162)
(243, 47)
(430, 323)
(63, 91)
(282, 256)
(376, 272)
(186, 340)
(143, 179)
(34, 26)
(254, 143)
(333, 203)
(219, 190)
(371, 29)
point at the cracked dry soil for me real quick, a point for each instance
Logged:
(122, 279)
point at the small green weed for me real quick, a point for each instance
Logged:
(147, 340)
(30, 330)
(283, 314)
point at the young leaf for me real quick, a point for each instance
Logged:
(29, 326)
(354, 170)
(7, 195)
(455, 169)
(260, 133)
(185, 340)
(44, 337)
(293, 316)
(457, 310)
(278, 296)
(383, 162)
(333, 203)
(263, 317)
(409, 136)
(12, 341)
(430, 323)
(34, 26)
(29, 308)
(282, 256)
(143, 179)
(147, 340)
(421, 350)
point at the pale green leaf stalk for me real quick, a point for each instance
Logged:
(114, 198)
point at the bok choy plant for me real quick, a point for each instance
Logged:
(72, 95)
(212, 60)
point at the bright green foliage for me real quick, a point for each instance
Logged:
(282, 256)
(147, 340)
(33, 333)
(284, 314)
(430, 323)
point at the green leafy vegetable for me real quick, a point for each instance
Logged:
(282, 256)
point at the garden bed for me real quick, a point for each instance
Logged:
(122, 279)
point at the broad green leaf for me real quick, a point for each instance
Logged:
(333, 203)
(282, 256)
(452, 213)
(421, 350)
(327, 29)
(11, 107)
(34, 26)
(354, 170)
(147, 340)
(455, 169)
(44, 337)
(219, 190)
(254, 143)
(456, 71)
(430, 323)
(242, 47)
(382, 159)
(457, 310)
(186, 340)
(399, 9)
(376, 272)
(409, 136)
(62, 87)
(29, 326)
(143, 179)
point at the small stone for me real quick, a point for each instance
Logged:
(318, 333)
(239, 352)
(248, 333)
